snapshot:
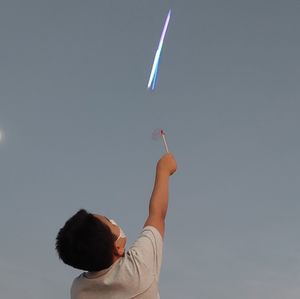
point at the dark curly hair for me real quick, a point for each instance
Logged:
(85, 243)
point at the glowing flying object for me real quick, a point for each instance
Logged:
(154, 70)
(159, 133)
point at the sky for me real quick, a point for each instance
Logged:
(76, 120)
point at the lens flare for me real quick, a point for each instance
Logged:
(1, 135)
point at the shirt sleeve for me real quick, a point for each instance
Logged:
(148, 248)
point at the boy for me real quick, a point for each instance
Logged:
(96, 244)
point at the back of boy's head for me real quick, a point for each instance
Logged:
(85, 243)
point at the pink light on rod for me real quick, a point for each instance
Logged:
(163, 135)
(159, 133)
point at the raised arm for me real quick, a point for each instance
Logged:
(158, 204)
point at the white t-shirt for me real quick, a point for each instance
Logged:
(135, 275)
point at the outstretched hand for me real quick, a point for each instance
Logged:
(167, 164)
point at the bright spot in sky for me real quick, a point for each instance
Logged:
(1, 135)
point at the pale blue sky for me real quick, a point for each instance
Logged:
(78, 120)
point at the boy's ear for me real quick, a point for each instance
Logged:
(118, 250)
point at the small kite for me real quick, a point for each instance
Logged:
(154, 70)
